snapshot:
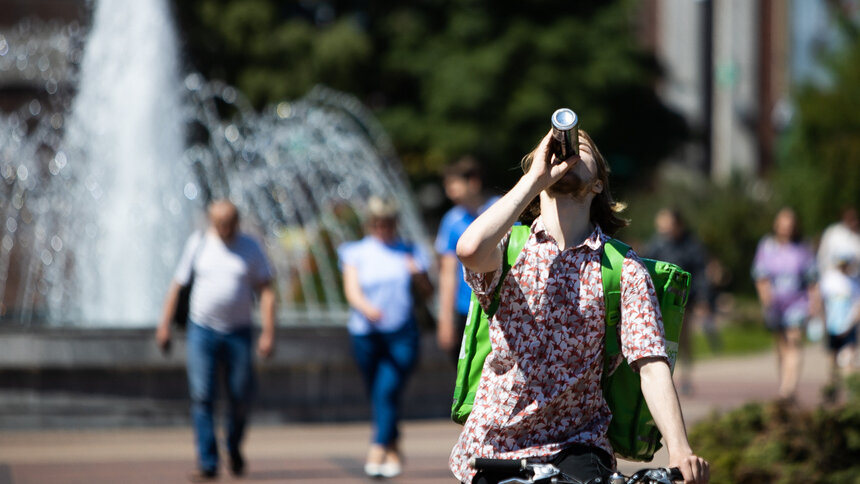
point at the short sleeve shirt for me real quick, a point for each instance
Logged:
(790, 268)
(540, 389)
(226, 277)
(453, 224)
(841, 301)
(837, 241)
(385, 280)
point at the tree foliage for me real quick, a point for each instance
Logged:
(269, 51)
(819, 171)
(730, 218)
(451, 77)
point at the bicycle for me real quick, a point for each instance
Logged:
(538, 473)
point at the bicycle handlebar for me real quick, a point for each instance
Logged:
(675, 474)
(513, 466)
(503, 465)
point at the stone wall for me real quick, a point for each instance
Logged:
(99, 377)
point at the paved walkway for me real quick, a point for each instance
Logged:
(333, 453)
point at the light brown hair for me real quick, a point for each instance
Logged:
(604, 209)
(466, 167)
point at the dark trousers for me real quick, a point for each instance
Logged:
(580, 462)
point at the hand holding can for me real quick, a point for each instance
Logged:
(565, 133)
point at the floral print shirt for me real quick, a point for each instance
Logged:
(540, 389)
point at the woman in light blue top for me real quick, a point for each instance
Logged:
(378, 273)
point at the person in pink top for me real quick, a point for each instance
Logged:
(540, 394)
(785, 278)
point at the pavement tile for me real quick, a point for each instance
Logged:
(318, 453)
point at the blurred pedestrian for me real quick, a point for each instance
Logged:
(674, 242)
(840, 293)
(463, 182)
(840, 239)
(228, 268)
(785, 278)
(378, 274)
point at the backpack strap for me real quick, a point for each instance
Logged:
(198, 248)
(516, 242)
(612, 262)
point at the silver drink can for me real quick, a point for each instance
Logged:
(565, 133)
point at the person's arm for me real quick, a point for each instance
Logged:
(162, 332)
(642, 344)
(816, 305)
(268, 298)
(478, 247)
(355, 296)
(813, 293)
(760, 275)
(854, 315)
(184, 272)
(762, 287)
(662, 400)
(420, 279)
(446, 330)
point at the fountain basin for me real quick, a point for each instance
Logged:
(86, 377)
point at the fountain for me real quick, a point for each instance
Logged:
(101, 191)
(107, 172)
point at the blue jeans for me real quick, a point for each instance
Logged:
(208, 350)
(386, 360)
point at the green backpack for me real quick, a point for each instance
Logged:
(632, 431)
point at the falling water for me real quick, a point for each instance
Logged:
(98, 202)
(126, 122)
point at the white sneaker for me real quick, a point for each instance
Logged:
(390, 469)
(373, 470)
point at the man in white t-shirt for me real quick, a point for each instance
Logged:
(229, 268)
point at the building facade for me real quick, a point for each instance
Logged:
(729, 70)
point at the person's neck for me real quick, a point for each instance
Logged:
(384, 240)
(567, 219)
(226, 241)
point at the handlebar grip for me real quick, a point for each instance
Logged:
(675, 474)
(503, 465)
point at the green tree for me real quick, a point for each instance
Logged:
(819, 167)
(484, 78)
(451, 77)
(272, 52)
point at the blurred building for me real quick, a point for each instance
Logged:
(729, 69)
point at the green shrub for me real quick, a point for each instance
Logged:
(782, 444)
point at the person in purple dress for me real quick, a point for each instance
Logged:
(785, 279)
